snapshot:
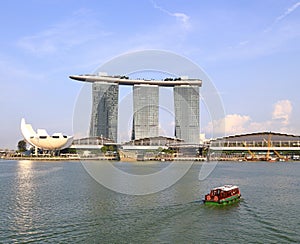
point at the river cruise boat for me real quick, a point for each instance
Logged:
(223, 195)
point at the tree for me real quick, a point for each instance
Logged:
(104, 149)
(22, 146)
(111, 148)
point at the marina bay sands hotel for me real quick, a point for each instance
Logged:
(105, 93)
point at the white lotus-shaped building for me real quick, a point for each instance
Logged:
(41, 139)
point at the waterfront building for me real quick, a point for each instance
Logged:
(91, 141)
(151, 143)
(256, 146)
(186, 103)
(91, 147)
(104, 117)
(149, 148)
(42, 140)
(145, 111)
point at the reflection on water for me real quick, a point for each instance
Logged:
(25, 190)
(24, 196)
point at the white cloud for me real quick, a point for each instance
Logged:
(64, 35)
(283, 16)
(288, 11)
(243, 43)
(240, 124)
(181, 17)
(231, 124)
(184, 19)
(282, 111)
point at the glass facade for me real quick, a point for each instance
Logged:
(104, 117)
(186, 103)
(145, 111)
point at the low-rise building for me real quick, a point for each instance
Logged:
(256, 146)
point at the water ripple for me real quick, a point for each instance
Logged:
(60, 203)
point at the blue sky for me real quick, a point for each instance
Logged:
(249, 48)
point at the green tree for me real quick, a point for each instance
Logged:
(104, 149)
(111, 148)
(22, 146)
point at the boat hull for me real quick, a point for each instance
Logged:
(226, 201)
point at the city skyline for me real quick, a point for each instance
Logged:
(105, 117)
(250, 50)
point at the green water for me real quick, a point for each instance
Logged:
(59, 202)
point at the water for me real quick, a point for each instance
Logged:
(60, 202)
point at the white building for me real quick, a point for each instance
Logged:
(41, 139)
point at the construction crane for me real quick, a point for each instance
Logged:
(269, 143)
(253, 156)
(279, 155)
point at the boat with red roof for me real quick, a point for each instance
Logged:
(223, 195)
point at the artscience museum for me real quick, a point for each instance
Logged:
(42, 140)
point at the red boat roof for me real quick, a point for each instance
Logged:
(226, 187)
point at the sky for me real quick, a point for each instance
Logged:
(250, 49)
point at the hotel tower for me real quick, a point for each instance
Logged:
(145, 124)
